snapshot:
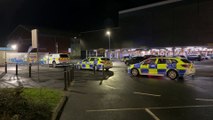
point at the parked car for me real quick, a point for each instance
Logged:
(125, 58)
(194, 57)
(98, 62)
(209, 56)
(134, 60)
(172, 67)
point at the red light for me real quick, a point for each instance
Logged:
(185, 65)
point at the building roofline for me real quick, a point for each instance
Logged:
(100, 30)
(148, 6)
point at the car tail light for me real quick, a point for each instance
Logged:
(185, 65)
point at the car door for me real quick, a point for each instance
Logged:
(84, 64)
(162, 65)
(148, 67)
(91, 63)
(153, 67)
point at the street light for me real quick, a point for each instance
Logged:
(14, 47)
(108, 33)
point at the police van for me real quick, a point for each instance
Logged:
(59, 59)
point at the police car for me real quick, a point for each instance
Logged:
(98, 62)
(163, 66)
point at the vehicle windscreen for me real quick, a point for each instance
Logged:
(185, 61)
(63, 55)
(106, 59)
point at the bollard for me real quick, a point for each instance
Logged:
(30, 70)
(71, 68)
(103, 70)
(94, 68)
(65, 78)
(68, 77)
(16, 69)
(73, 73)
(5, 67)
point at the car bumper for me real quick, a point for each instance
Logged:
(190, 72)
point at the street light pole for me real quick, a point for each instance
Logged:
(108, 33)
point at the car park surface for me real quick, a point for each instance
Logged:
(123, 97)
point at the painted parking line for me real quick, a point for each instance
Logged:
(150, 108)
(203, 99)
(152, 114)
(148, 94)
(110, 87)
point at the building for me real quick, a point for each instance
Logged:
(170, 27)
(168, 23)
(49, 40)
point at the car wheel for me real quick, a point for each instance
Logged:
(54, 64)
(134, 72)
(172, 74)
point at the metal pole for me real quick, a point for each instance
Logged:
(103, 70)
(65, 78)
(16, 69)
(71, 68)
(94, 68)
(68, 77)
(38, 61)
(73, 73)
(30, 70)
(5, 67)
(109, 47)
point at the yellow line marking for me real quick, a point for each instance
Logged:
(148, 94)
(203, 99)
(152, 114)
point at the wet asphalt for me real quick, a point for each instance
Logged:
(121, 97)
(115, 95)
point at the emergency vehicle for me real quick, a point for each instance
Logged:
(59, 59)
(172, 67)
(98, 62)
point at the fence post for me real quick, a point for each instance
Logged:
(16, 68)
(30, 70)
(5, 67)
(65, 78)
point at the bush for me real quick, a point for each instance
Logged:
(13, 106)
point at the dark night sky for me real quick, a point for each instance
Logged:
(72, 15)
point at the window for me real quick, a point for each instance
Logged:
(64, 55)
(161, 61)
(185, 61)
(105, 59)
(174, 61)
(150, 61)
(92, 59)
